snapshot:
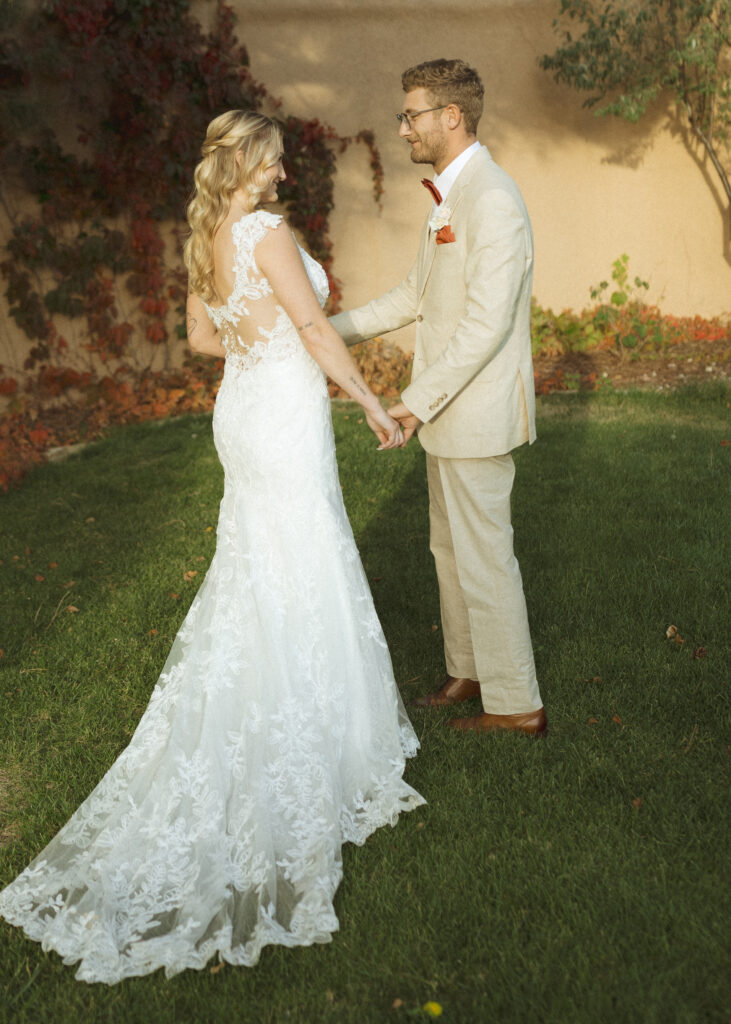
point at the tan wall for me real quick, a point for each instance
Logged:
(595, 188)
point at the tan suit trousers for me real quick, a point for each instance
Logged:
(484, 616)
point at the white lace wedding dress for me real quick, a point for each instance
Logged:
(275, 732)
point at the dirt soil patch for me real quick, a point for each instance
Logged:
(683, 364)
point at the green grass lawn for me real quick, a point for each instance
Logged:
(576, 879)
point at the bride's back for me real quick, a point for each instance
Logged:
(241, 288)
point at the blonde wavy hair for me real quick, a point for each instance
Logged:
(218, 176)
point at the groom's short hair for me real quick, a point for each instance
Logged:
(449, 81)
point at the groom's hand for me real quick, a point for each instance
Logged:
(406, 418)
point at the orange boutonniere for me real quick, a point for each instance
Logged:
(445, 235)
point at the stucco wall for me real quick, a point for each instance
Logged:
(595, 187)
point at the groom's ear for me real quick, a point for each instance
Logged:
(454, 116)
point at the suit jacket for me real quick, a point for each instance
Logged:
(472, 380)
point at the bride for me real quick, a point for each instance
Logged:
(275, 732)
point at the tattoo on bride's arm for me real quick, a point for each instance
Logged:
(358, 386)
(192, 324)
(310, 323)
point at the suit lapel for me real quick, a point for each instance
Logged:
(428, 248)
(427, 251)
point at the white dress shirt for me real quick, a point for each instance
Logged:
(447, 178)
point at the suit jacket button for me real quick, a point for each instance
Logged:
(419, 318)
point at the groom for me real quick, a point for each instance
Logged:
(471, 395)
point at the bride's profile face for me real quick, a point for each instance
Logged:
(273, 174)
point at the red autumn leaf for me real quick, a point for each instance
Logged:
(617, 719)
(39, 578)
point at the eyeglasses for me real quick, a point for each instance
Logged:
(408, 118)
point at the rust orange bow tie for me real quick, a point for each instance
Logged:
(435, 193)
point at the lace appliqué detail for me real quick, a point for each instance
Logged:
(250, 287)
(280, 344)
(246, 232)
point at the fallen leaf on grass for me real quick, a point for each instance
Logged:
(617, 719)
(637, 802)
(218, 967)
(91, 519)
(592, 679)
(699, 652)
(190, 574)
(593, 721)
(53, 565)
(725, 444)
(434, 628)
(171, 593)
(71, 608)
(672, 634)
(39, 578)
(397, 1004)
(152, 632)
(2, 652)
(432, 1009)
(201, 558)
(69, 584)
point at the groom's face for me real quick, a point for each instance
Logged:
(426, 135)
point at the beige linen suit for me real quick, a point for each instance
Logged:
(472, 387)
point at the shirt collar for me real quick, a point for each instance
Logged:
(447, 178)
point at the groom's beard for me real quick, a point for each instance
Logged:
(428, 149)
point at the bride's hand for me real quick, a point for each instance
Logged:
(386, 428)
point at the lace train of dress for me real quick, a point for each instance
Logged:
(275, 731)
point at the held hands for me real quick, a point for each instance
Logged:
(386, 428)
(408, 421)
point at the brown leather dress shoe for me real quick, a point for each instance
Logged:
(452, 691)
(534, 723)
